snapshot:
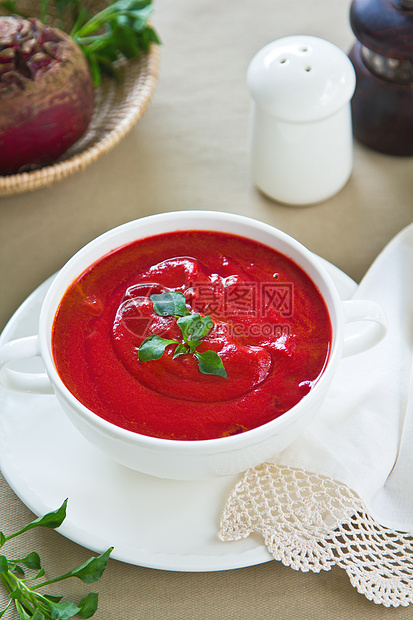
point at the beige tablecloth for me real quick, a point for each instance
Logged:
(190, 151)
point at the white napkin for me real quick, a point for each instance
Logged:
(363, 435)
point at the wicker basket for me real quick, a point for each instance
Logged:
(118, 106)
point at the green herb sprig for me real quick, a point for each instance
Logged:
(122, 28)
(23, 590)
(194, 328)
(125, 31)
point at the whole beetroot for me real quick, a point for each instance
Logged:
(46, 94)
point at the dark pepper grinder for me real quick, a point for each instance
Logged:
(382, 106)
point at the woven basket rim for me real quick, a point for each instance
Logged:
(147, 67)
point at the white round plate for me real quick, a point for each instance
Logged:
(163, 524)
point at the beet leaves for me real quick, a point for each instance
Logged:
(120, 29)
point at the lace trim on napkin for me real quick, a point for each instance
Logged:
(311, 523)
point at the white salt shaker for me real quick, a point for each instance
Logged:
(301, 133)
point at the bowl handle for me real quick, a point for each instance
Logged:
(22, 348)
(355, 341)
(358, 336)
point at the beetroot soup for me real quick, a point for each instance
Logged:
(246, 338)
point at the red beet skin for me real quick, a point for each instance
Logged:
(46, 94)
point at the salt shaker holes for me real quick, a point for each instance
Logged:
(301, 136)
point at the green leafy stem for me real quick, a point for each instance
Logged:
(120, 28)
(23, 590)
(194, 328)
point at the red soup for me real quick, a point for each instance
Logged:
(265, 330)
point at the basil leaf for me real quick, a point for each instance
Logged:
(31, 561)
(205, 327)
(91, 570)
(30, 605)
(194, 326)
(63, 611)
(40, 573)
(51, 520)
(17, 594)
(210, 363)
(181, 349)
(17, 570)
(170, 304)
(188, 324)
(88, 605)
(153, 347)
(53, 599)
(193, 345)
